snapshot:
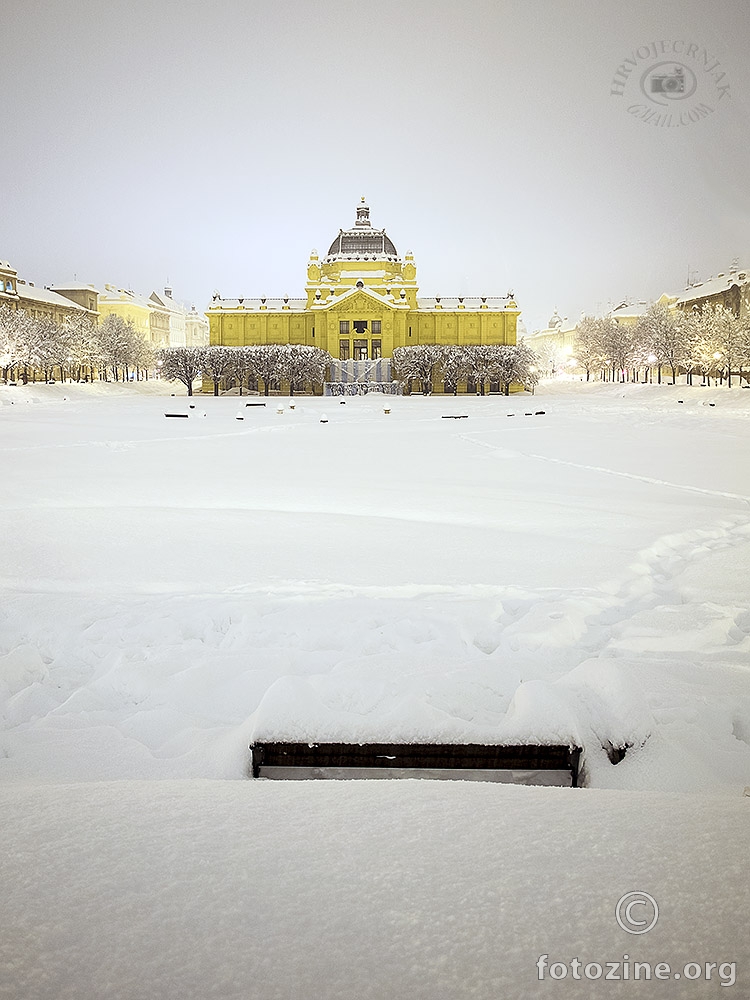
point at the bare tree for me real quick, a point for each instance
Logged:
(181, 364)
(723, 332)
(14, 326)
(453, 367)
(420, 362)
(302, 365)
(618, 344)
(217, 364)
(590, 352)
(265, 360)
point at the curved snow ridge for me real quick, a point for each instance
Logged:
(658, 565)
(128, 443)
(701, 490)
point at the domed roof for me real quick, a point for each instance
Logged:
(362, 242)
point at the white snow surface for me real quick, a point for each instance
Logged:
(171, 589)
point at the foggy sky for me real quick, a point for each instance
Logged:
(214, 145)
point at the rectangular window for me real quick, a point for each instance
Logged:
(343, 350)
(376, 349)
(344, 328)
(375, 326)
(360, 350)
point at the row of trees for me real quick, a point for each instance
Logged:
(246, 367)
(481, 366)
(712, 342)
(80, 349)
(77, 348)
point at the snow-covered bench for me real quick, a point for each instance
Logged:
(533, 764)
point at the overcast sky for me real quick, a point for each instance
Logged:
(215, 145)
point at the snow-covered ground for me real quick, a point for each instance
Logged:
(171, 588)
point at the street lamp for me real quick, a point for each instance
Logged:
(651, 360)
(717, 358)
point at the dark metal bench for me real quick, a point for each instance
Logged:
(537, 763)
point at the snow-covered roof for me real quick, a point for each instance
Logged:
(74, 286)
(166, 302)
(453, 302)
(626, 309)
(713, 286)
(47, 296)
(295, 305)
(113, 294)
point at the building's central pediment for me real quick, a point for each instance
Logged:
(360, 300)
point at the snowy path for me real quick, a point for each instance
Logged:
(167, 595)
(167, 592)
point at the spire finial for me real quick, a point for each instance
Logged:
(363, 213)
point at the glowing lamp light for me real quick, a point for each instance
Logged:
(717, 355)
(651, 358)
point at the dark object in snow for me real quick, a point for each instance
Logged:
(536, 763)
(185, 415)
(455, 416)
(239, 417)
(679, 400)
(712, 404)
(539, 413)
(255, 404)
(191, 406)
(510, 414)
(342, 402)
(529, 414)
(616, 753)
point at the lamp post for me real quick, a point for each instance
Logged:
(717, 358)
(651, 359)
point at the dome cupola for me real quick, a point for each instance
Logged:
(362, 241)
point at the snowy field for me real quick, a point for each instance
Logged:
(172, 588)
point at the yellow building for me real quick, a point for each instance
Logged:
(361, 302)
(128, 306)
(628, 313)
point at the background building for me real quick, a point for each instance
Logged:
(730, 289)
(159, 318)
(56, 304)
(361, 302)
